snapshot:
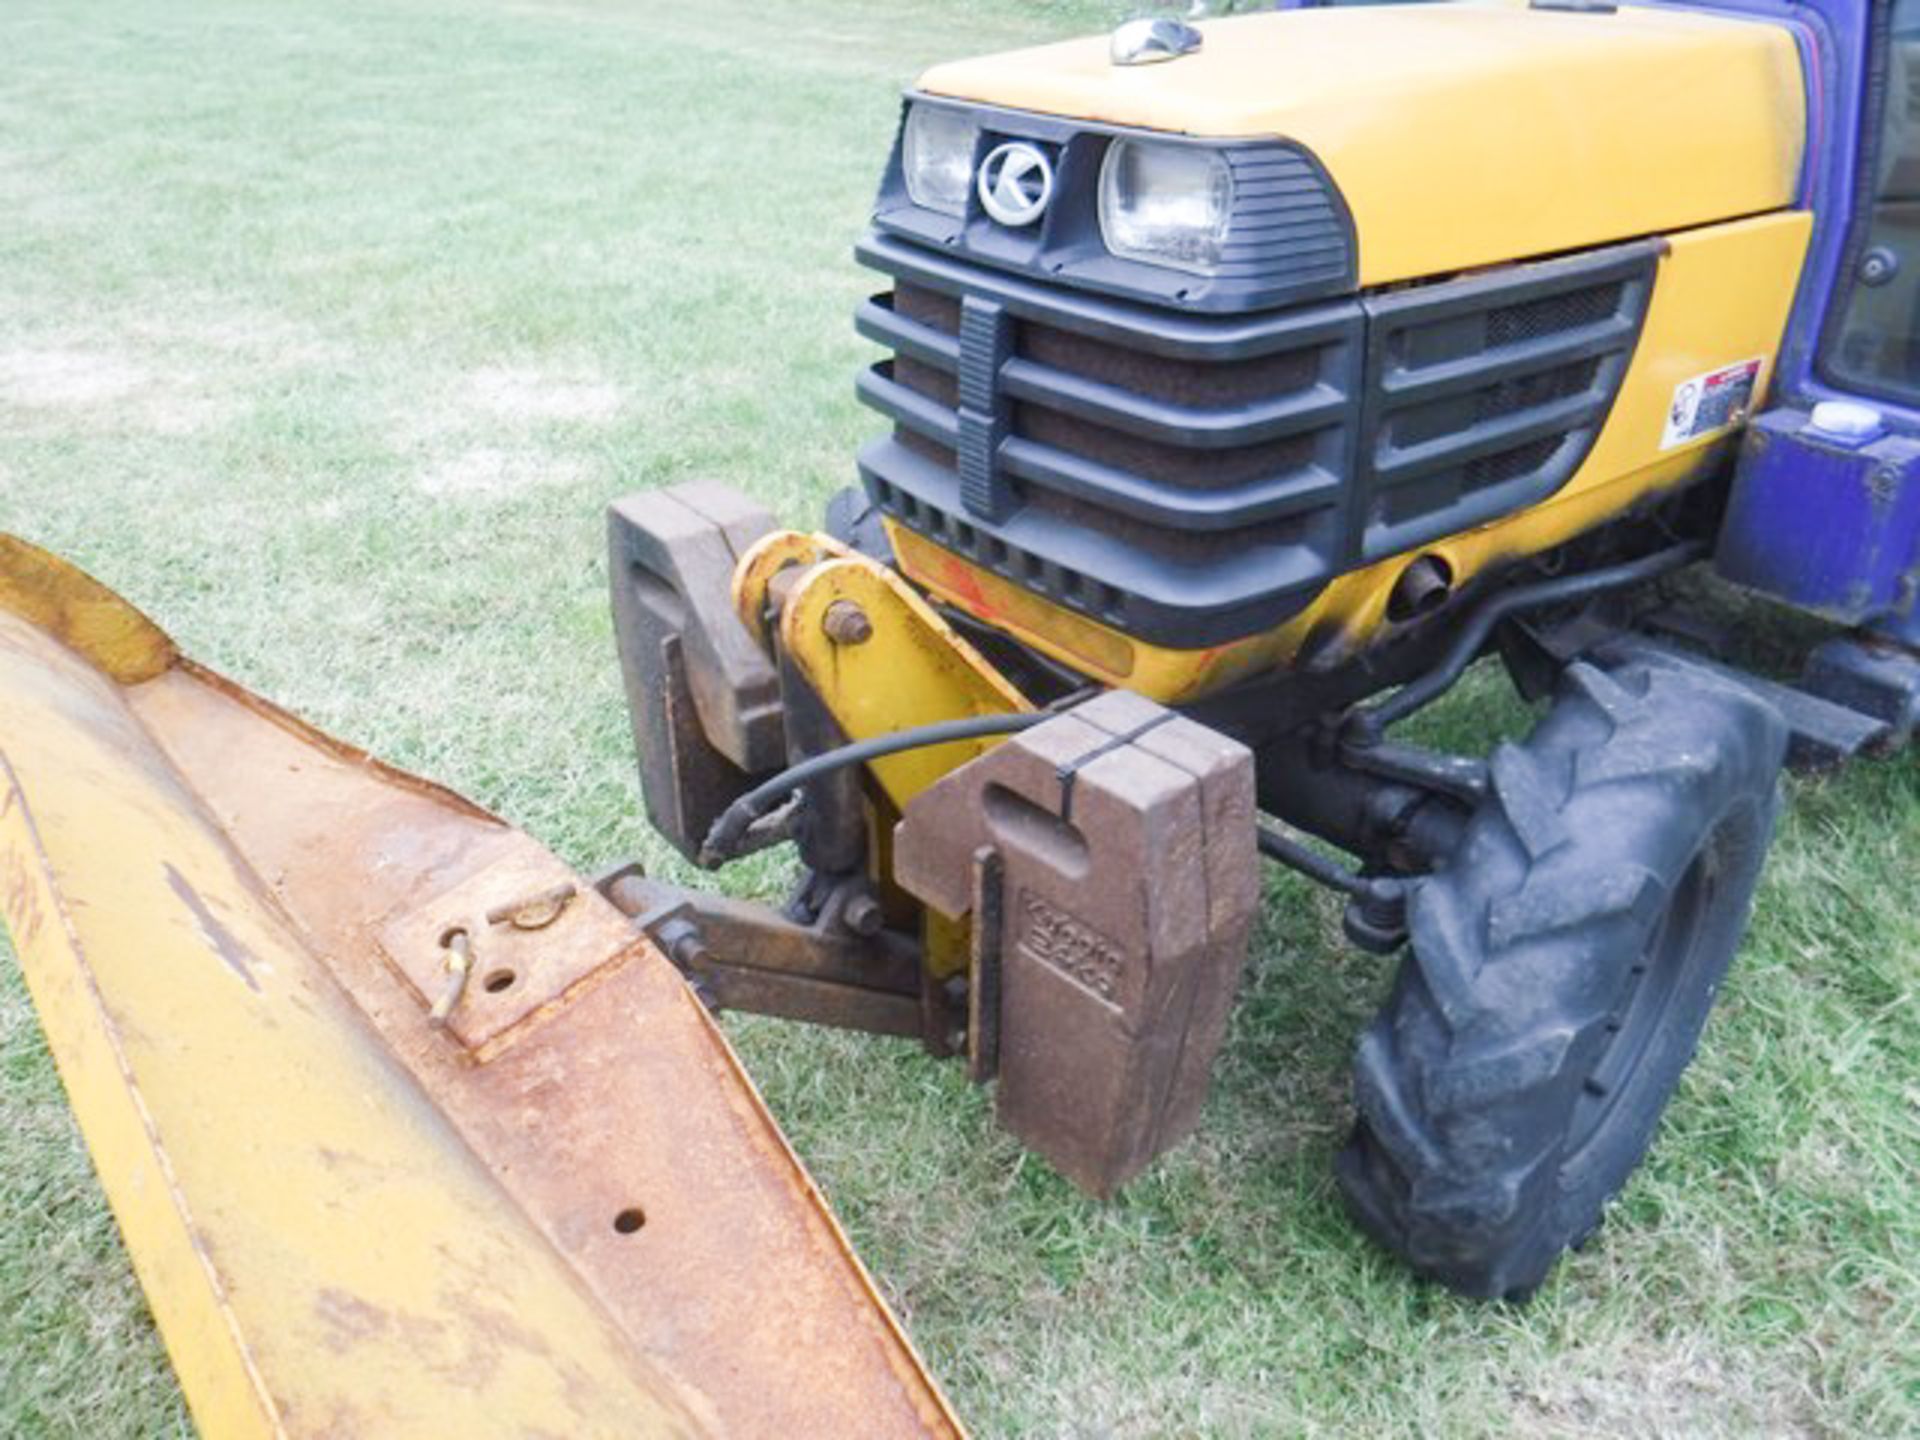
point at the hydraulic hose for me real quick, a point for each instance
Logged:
(724, 838)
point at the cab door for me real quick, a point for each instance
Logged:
(1872, 340)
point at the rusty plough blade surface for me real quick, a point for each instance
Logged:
(408, 1131)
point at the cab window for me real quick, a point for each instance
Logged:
(1875, 344)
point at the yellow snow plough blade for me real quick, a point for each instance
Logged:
(408, 1131)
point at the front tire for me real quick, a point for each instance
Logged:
(1562, 965)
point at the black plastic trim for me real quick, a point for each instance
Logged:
(1227, 594)
(1470, 361)
(1290, 236)
(908, 407)
(1225, 508)
(877, 320)
(1292, 493)
(1205, 476)
(1438, 381)
(1156, 332)
(1201, 427)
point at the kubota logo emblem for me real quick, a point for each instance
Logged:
(1016, 182)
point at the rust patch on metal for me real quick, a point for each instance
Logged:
(340, 750)
(597, 1087)
(996, 600)
(517, 974)
(225, 944)
(1107, 1033)
(316, 1134)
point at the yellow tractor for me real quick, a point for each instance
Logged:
(1244, 382)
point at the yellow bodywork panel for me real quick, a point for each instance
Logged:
(81, 613)
(1463, 135)
(912, 668)
(906, 668)
(776, 559)
(1721, 297)
(566, 1214)
(171, 990)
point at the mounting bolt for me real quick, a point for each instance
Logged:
(846, 623)
(688, 951)
(863, 915)
(1878, 266)
(534, 912)
(458, 946)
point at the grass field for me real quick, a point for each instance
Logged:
(327, 329)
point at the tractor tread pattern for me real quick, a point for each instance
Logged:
(1522, 947)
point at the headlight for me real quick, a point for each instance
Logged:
(938, 158)
(1165, 204)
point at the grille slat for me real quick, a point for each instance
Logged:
(878, 319)
(1484, 395)
(1230, 506)
(1202, 428)
(1483, 438)
(1177, 471)
(1541, 354)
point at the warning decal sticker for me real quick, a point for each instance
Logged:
(1710, 402)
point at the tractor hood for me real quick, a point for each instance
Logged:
(1464, 134)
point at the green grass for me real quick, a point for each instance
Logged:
(326, 332)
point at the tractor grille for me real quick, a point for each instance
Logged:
(1192, 479)
(1485, 394)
